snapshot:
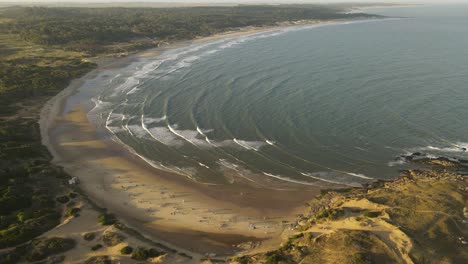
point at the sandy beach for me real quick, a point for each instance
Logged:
(165, 207)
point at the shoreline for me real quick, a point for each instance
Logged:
(168, 208)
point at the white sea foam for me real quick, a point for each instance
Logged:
(134, 90)
(115, 77)
(397, 162)
(202, 133)
(165, 136)
(250, 145)
(458, 147)
(129, 83)
(269, 142)
(286, 179)
(160, 134)
(137, 131)
(150, 120)
(203, 165)
(179, 134)
(228, 165)
(359, 175)
(320, 179)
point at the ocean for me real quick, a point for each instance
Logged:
(315, 105)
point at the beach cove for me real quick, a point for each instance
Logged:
(164, 206)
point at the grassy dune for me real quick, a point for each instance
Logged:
(415, 219)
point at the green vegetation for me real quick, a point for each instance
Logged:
(42, 248)
(38, 249)
(22, 79)
(372, 214)
(96, 247)
(112, 238)
(75, 212)
(63, 199)
(98, 260)
(29, 184)
(126, 250)
(107, 219)
(90, 29)
(330, 214)
(89, 236)
(144, 254)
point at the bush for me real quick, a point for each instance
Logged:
(330, 213)
(63, 199)
(18, 233)
(275, 257)
(98, 260)
(119, 226)
(112, 239)
(126, 250)
(73, 212)
(107, 219)
(372, 214)
(89, 236)
(72, 195)
(10, 258)
(96, 247)
(143, 253)
(42, 248)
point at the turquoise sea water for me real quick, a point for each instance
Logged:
(313, 105)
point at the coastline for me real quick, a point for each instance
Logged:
(165, 207)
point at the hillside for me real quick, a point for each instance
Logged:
(419, 218)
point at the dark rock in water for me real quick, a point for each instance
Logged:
(407, 158)
(422, 159)
(417, 154)
(464, 149)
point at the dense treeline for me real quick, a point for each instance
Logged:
(84, 28)
(27, 204)
(28, 79)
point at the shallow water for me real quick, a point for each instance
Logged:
(309, 105)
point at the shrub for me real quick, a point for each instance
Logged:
(72, 195)
(63, 199)
(112, 239)
(274, 257)
(11, 257)
(107, 219)
(126, 250)
(73, 212)
(143, 253)
(96, 247)
(330, 213)
(98, 260)
(371, 214)
(89, 236)
(296, 236)
(119, 225)
(42, 248)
